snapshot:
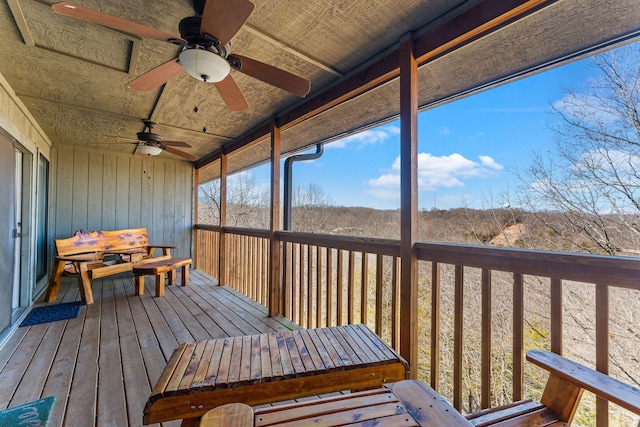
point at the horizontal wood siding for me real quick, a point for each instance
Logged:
(102, 190)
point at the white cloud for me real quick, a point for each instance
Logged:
(367, 137)
(490, 163)
(444, 130)
(434, 172)
(589, 108)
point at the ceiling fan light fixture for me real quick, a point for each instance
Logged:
(204, 65)
(149, 150)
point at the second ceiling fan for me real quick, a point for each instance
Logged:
(205, 53)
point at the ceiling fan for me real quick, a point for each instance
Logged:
(151, 144)
(205, 41)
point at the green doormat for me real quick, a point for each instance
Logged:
(32, 414)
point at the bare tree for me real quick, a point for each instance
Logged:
(311, 209)
(209, 202)
(247, 202)
(593, 177)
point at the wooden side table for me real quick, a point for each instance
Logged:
(158, 269)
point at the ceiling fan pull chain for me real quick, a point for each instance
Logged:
(204, 127)
(195, 109)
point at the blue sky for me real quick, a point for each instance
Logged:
(468, 149)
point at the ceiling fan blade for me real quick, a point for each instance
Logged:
(181, 153)
(222, 19)
(111, 21)
(274, 76)
(156, 76)
(231, 94)
(176, 144)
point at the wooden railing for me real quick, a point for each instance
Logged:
(245, 261)
(332, 280)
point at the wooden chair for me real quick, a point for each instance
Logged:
(561, 396)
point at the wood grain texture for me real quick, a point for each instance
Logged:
(282, 365)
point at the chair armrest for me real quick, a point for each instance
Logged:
(602, 385)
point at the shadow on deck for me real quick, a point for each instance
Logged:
(102, 365)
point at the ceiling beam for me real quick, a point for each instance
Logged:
(270, 39)
(430, 43)
(21, 22)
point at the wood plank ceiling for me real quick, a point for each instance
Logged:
(71, 75)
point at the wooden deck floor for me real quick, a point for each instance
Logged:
(102, 365)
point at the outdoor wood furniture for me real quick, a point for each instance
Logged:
(405, 403)
(561, 396)
(83, 256)
(258, 369)
(158, 269)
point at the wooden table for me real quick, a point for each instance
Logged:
(158, 269)
(265, 368)
(405, 403)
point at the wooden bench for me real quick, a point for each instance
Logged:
(258, 369)
(561, 396)
(158, 269)
(83, 256)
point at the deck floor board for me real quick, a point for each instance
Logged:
(102, 365)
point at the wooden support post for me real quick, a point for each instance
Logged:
(197, 262)
(408, 204)
(222, 255)
(275, 281)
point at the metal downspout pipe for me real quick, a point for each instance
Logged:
(288, 165)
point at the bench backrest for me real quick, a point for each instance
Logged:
(99, 241)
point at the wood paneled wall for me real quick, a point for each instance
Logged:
(104, 190)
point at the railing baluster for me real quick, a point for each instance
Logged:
(310, 286)
(350, 287)
(435, 325)
(602, 348)
(295, 278)
(485, 361)
(518, 335)
(556, 316)
(329, 281)
(379, 295)
(457, 335)
(303, 286)
(364, 296)
(395, 304)
(319, 287)
(339, 289)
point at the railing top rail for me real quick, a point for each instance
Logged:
(372, 245)
(598, 269)
(246, 231)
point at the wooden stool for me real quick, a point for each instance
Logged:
(158, 269)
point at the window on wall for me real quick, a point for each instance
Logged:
(41, 220)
